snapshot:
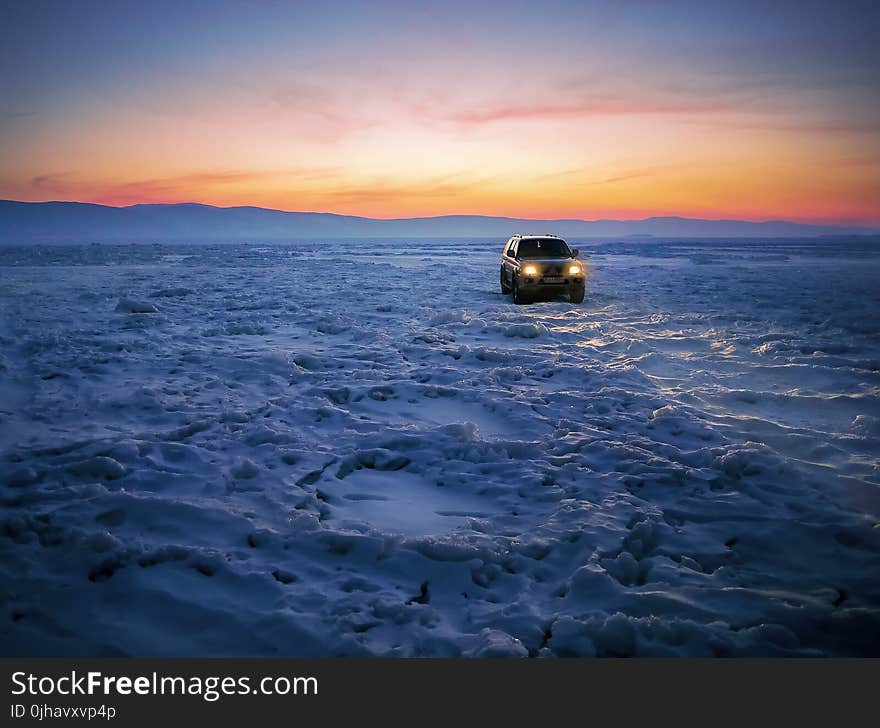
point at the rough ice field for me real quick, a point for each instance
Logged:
(362, 448)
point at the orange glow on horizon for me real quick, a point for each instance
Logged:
(581, 167)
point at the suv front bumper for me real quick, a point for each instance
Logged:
(567, 284)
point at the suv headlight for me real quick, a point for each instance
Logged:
(574, 269)
(530, 270)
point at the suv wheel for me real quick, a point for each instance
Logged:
(504, 287)
(577, 296)
(518, 296)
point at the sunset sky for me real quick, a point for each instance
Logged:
(750, 110)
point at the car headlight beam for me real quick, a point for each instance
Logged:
(574, 269)
(530, 270)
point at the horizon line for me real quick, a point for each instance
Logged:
(872, 228)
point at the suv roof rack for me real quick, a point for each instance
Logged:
(534, 235)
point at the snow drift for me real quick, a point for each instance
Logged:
(364, 449)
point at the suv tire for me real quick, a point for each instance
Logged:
(518, 296)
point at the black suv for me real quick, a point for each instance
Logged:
(541, 265)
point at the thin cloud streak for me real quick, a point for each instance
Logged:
(169, 189)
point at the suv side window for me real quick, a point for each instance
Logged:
(511, 251)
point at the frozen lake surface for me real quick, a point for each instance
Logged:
(362, 448)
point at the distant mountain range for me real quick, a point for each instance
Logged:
(77, 222)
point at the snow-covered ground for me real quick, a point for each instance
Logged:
(362, 448)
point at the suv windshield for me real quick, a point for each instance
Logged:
(542, 248)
